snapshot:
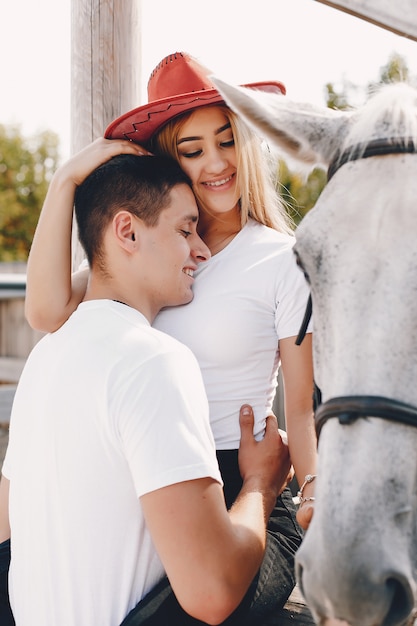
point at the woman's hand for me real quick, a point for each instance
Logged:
(305, 514)
(306, 501)
(79, 166)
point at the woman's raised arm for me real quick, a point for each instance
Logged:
(52, 293)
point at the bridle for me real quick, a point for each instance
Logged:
(350, 408)
(377, 147)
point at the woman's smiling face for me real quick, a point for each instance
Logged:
(207, 153)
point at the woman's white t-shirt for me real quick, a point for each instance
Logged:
(246, 298)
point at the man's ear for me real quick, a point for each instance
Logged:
(125, 227)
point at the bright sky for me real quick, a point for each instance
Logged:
(303, 43)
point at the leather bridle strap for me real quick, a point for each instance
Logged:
(378, 147)
(306, 320)
(349, 408)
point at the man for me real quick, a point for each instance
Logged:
(111, 467)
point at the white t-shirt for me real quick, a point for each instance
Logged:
(246, 298)
(106, 410)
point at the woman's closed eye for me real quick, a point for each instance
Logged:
(228, 144)
(191, 155)
(185, 233)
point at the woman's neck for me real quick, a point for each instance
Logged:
(218, 231)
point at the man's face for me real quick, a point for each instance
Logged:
(171, 251)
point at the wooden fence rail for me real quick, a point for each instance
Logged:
(17, 338)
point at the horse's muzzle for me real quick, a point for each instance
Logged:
(384, 602)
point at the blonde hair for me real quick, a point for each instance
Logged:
(259, 198)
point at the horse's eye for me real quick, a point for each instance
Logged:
(300, 265)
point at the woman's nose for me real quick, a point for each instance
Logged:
(215, 161)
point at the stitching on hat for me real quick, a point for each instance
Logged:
(165, 61)
(170, 106)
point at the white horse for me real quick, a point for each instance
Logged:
(358, 249)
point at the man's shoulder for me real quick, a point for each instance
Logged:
(169, 345)
(146, 343)
(158, 361)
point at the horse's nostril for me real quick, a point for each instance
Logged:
(402, 601)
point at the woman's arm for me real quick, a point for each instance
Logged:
(52, 294)
(50, 298)
(297, 374)
(4, 509)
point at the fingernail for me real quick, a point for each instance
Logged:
(246, 410)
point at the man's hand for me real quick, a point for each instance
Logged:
(267, 462)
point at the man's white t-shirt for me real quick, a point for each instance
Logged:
(107, 409)
(246, 298)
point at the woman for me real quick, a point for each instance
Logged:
(249, 298)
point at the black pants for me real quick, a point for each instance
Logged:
(6, 616)
(272, 585)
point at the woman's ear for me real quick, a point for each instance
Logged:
(125, 230)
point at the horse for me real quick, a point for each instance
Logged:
(358, 250)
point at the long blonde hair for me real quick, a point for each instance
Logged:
(259, 198)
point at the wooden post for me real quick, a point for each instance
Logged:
(105, 71)
(399, 16)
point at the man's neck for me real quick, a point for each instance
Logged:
(102, 290)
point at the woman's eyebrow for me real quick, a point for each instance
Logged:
(196, 138)
(222, 128)
(187, 139)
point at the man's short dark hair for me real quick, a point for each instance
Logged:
(138, 184)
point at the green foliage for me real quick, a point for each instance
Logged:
(26, 166)
(395, 70)
(335, 99)
(300, 194)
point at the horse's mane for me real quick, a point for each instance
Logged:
(390, 113)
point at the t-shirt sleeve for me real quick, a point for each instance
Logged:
(293, 293)
(163, 423)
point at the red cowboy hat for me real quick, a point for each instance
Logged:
(177, 85)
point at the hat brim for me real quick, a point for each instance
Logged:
(140, 124)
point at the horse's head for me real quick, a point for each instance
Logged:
(358, 250)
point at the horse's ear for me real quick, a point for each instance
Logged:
(309, 134)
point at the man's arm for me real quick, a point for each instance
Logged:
(211, 555)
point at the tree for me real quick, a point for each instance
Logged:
(26, 167)
(299, 193)
(395, 70)
(337, 99)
